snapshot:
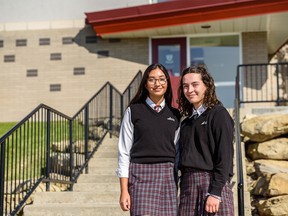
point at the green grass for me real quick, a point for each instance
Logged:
(5, 127)
(26, 147)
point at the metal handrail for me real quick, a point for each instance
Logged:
(256, 83)
(48, 146)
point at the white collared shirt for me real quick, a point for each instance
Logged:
(199, 111)
(126, 140)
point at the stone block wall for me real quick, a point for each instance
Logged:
(62, 68)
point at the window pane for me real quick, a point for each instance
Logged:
(55, 87)
(79, 71)
(55, 56)
(169, 56)
(103, 54)
(9, 58)
(44, 41)
(32, 72)
(91, 39)
(221, 56)
(21, 42)
(67, 40)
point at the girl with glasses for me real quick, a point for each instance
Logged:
(147, 148)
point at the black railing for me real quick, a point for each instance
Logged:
(51, 147)
(257, 83)
(262, 83)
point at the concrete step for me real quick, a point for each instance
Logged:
(103, 162)
(99, 171)
(92, 178)
(95, 193)
(103, 187)
(75, 210)
(109, 147)
(106, 154)
(101, 197)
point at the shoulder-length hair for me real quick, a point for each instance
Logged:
(210, 98)
(142, 92)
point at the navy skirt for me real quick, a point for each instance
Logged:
(152, 189)
(193, 189)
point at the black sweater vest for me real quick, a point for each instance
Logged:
(153, 134)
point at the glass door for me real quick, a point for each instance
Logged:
(171, 52)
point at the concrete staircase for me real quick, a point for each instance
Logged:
(96, 193)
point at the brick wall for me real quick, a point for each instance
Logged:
(257, 85)
(62, 74)
(254, 47)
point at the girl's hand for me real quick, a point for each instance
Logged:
(125, 201)
(212, 204)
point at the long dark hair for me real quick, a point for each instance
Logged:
(142, 92)
(210, 98)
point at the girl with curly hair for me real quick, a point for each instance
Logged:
(206, 147)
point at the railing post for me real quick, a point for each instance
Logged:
(239, 166)
(71, 152)
(121, 105)
(277, 80)
(238, 154)
(111, 111)
(48, 160)
(86, 136)
(2, 168)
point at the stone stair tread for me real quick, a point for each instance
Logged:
(97, 171)
(65, 210)
(92, 178)
(78, 205)
(77, 197)
(104, 161)
(96, 187)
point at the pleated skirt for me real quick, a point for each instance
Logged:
(152, 189)
(194, 186)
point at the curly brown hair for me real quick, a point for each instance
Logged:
(210, 98)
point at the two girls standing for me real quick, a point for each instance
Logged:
(147, 148)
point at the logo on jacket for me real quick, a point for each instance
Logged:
(170, 119)
(204, 123)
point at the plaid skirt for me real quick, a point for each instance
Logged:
(193, 189)
(152, 189)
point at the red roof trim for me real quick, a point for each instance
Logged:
(178, 12)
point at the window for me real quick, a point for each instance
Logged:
(21, 42)
(103, 54)
(55, 56)
(9, 58)
(67, 40)
(44, 41)
(1, 43)
(91, 39)
(32, 73)
(221, 56)
(79, 71)
(55, 87)
(114, 40)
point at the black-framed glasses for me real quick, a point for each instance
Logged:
(153, 81)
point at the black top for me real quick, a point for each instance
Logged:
(154, 134)
(206, 143)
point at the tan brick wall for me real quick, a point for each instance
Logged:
(254, 47)
(20, 94)
(254, 51)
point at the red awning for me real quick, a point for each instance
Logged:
(178, 12)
